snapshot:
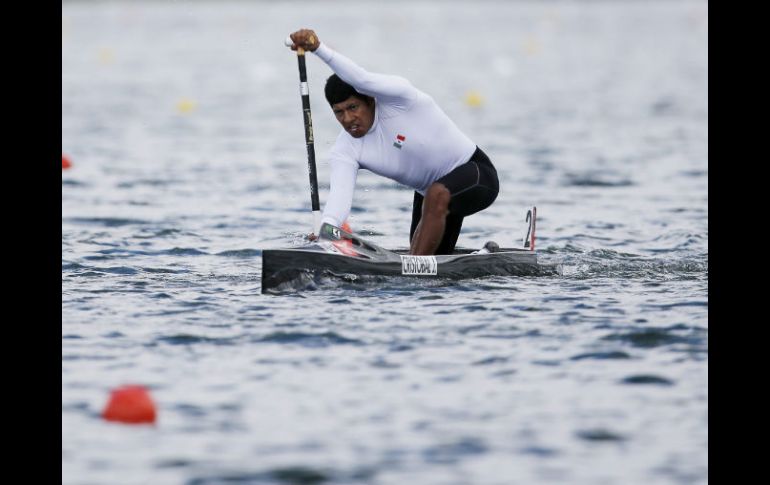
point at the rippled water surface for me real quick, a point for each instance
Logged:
(183, 124)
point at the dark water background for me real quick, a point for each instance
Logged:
(183, 123)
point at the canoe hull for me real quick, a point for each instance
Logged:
(283, 265)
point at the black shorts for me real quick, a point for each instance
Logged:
(473, 185)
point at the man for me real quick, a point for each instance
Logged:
(397, 131)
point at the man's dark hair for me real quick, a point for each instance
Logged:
(337, 91)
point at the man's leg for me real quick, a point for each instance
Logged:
(416, 215)
(430, 230)
(454, 224)
(469, 188)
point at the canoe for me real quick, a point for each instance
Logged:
(339, 253)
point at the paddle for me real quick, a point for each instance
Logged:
(305, 93)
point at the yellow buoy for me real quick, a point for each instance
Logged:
(186, 105)
(531, 46)
(473, 99)
(106, 56)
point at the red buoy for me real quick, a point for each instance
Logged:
(130, 404)
(65, 162)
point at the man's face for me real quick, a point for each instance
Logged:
(355, 115)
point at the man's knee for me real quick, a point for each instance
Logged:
(437, 199)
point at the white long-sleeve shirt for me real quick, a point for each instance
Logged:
(411, 141)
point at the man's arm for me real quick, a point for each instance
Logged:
(342, 184)
(365, 82)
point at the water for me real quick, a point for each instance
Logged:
(183, 123)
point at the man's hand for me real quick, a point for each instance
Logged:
(306, 39)
(312, 237)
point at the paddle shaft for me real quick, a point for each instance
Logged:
(305, 92)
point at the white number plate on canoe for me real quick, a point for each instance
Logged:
(419, 265)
